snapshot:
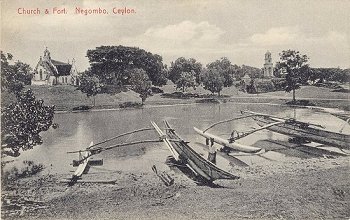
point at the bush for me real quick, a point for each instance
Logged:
(265, 86)
(180, 95)
(113, 89)
(81, 108)
(301, 102)
(130, 105)
(29, 169)
(156, 90)
(208, 100)
(279, 84)
(342, 90)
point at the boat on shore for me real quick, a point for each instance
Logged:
(84, 158)
(304, 131)
(184, 154)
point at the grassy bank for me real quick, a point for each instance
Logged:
(67, 97)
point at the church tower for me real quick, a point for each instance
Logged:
(268, 66)
(47, 56)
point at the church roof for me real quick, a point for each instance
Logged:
(62, 68)
(54, 67)
(56, 63)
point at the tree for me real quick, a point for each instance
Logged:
(225, 68)
(252, 72)
(140, 83)
(328, 74)
(25, 117)
(212, 80)
(183, 65)
(238, 73)
(14, 77)
(90, 85)
(186, 80)
(22, 122)
(110, 64)
(294, 64)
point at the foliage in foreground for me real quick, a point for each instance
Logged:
(24, 118)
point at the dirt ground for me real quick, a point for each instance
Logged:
(314, 188)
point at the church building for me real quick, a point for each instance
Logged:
(53, 72)
(268, 66)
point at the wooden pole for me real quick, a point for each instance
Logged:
(121, 135)
(220, 122)
(99, 150)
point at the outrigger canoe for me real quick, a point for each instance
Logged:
(183, 153)
(304, 130)
(84, 160)
(226, 143)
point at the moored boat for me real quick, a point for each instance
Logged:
(183, 153)
(84, 158)
(306, 131)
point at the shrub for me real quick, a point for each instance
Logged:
(130, 105)
(265, 86)
(156, 90)
(30, 168)
(279, 84)
(301, 102)
(81, 108)
(208, 100)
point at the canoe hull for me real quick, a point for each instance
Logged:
(224, 142)
(83, 166)
(309, 133)
(192, 159)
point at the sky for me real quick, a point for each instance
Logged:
(241, 30)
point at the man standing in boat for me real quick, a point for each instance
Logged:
(212, 150)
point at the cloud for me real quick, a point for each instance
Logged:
(324, 49)
(276, 36)
(186, 31)
(186, 38)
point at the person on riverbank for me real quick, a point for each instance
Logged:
(211, 151)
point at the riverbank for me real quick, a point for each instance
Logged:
(65, 98)
(301, 189)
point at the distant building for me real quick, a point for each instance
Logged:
(246, 78)
(268, 66)
(53, 72)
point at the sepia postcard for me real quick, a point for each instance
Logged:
(175, 109)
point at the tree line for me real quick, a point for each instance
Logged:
(113, 66)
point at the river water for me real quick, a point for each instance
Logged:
(77, 130)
